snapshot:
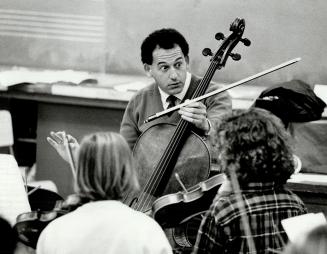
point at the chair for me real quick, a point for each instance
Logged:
(7, 141)
(13, 196)
(6, 131)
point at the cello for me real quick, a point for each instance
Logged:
(166, 148)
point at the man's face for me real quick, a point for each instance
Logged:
(169, 68)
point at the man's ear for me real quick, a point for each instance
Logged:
(187, 63)
(187, 59)
(147, 69)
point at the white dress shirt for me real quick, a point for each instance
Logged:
(179, 96)
(106, 227)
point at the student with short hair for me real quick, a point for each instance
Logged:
(254, 149)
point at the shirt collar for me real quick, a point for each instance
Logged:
(180, 95)
(258, 186)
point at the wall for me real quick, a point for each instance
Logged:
(101, 35)
(279, 30)
(61, 34)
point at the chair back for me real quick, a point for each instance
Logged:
(6, 130)
(13, 196)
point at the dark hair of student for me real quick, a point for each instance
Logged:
(165, 38)
(256, 145)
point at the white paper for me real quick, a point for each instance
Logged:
(299, 226)
(321, 91)
(13, 197)
(309, 178)
(132, 86)
(90, 92)
(21, 75)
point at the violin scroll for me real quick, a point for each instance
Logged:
(30, 225)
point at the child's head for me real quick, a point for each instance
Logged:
(105, 168)
(256, 145)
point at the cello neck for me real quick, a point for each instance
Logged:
(159, 178)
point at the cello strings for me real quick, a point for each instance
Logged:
(155, 179)
(153, 184)
(156, 175)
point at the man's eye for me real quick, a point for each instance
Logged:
(178, 65)
(164, 68)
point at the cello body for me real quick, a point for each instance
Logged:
(192, 164)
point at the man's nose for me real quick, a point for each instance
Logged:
(173, 73)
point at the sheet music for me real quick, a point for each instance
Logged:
(308, 178)
(20, 75)
(298, 226)
(13, 197)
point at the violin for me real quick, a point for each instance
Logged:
(177, 208)
(46, 206)
(30, 225)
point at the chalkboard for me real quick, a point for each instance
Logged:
(99, 35)
(279, 30)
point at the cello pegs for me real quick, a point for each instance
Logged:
(235, 56)
(246, 42)
(207, 52)
(219, 36)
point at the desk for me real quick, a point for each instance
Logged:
(78, 116)
(44, 112)
(312, 189)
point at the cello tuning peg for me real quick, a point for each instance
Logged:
(207, 52)
(235, 56)
(219, 36)
(246, 42)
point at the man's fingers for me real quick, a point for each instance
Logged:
(186, 118)
(192, 119)
(198, 116)
(195, 108)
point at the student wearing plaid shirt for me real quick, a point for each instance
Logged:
(254, 145)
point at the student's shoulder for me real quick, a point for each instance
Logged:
(223, 207)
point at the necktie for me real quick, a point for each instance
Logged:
(171, 101)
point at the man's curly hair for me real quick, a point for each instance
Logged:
(256, 145)
(166, 38)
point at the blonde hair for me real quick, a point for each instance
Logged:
(105, 168)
